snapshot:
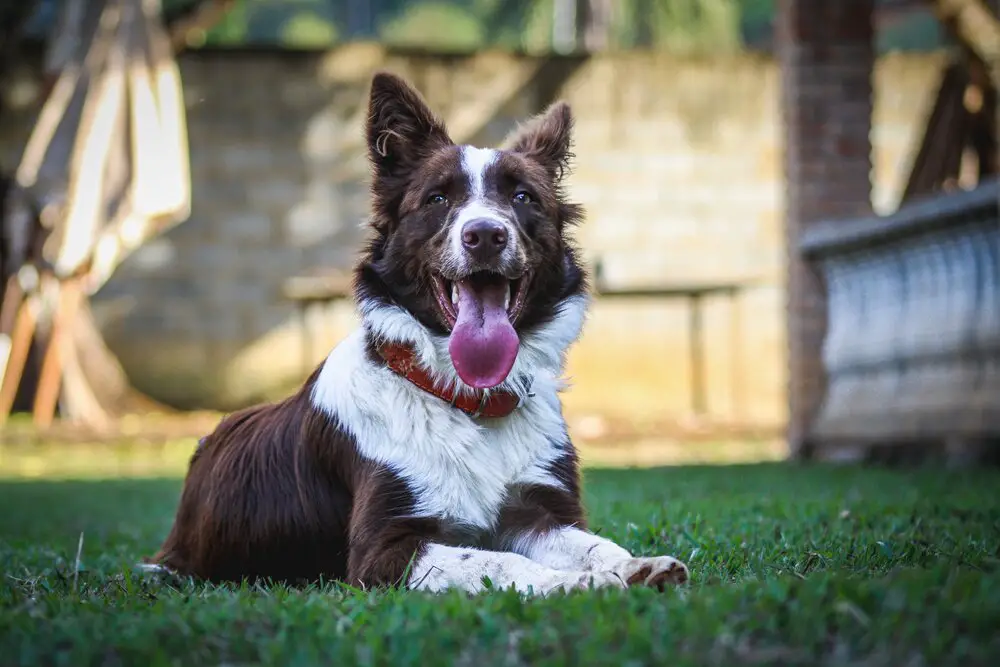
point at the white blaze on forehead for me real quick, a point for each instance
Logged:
(475, 162)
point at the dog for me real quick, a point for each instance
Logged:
(429, 449)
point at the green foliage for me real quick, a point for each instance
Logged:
(912, 34)
(680, 26)
(308, 30)
(697, 25)
(448, 24)
(793, 565)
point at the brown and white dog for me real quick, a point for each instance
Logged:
(429, 449)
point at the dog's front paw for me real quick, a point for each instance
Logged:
(586, 580)
(567, 582)
(656, 572)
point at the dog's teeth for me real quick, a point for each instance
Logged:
(454, 293)
(506, 298)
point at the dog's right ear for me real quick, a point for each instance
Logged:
(401, 128)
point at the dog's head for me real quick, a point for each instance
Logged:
(470, 242)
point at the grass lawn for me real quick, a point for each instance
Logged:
(790, 565)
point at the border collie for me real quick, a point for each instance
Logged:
(429, 449)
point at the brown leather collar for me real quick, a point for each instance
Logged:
(402, 359)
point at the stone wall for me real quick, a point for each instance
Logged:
(678, 163)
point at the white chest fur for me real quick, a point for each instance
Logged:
(458, 468)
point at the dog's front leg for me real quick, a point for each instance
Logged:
(388, 550)
(404, 553)
(440, 567)
(547, 525)
(572, 548)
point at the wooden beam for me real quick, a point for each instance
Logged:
(975, 25)
(938, 160)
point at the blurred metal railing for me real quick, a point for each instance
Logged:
(912, 349)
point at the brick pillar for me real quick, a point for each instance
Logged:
(826, 54)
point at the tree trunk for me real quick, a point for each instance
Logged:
(594, 23)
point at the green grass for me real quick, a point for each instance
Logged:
(790, 565)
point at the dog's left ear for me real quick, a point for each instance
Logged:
(401, 128)
(547, 139)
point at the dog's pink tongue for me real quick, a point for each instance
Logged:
(483, 344)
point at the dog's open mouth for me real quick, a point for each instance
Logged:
(481, 310)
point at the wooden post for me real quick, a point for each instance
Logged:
(696, 350)
(22, 333)
(736, 356)
(50, 378)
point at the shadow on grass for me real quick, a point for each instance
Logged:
(120, 519)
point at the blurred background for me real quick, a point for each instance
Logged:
(185, 186)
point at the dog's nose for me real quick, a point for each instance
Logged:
(484, 239)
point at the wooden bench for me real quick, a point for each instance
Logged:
(330, 286)
(311, 291)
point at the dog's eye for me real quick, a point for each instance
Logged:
(522, 197)
(436, 199)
